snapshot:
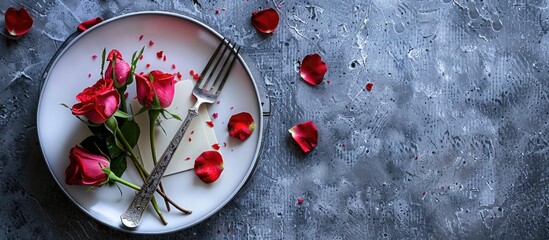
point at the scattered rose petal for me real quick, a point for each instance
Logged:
(210, 123)
(94, 57)
(266, 20)
(215, 115)
(223, 9)
(18, 22)
(148, 65)
(241, 125)
(179, 76)
(85, 25)
(208, 166)
(218, 102)
(159, 54)
(141, 57)
(191, 72)
(328, 81)
(369, 86)
(151, 43)
(313, 69)
(164, 59)
(190, 139)
(216, 146)
(140, 37)
(187, 158)
(305, 135)
(196, 76)
(192, 132)
(216, 11)
(89, 75)
(300, 200)
(173, 66)
(224, 144)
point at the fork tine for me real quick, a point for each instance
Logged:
(209, 64)
(226, 70)
(215, 67)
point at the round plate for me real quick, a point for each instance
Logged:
(188, 44)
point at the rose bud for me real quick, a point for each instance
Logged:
(266, 20)
(313, 69)
(241, 125)
(121, 67)
(208, 166)
(18, 22)
(162, 85)
(98, 102)
(86, 168)
(305, 135)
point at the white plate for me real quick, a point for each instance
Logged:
(188, 44)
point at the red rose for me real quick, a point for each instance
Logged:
(86, 168)
(162, 85)
(98, 102)
(121, 67)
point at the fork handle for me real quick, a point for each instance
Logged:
(131, 218)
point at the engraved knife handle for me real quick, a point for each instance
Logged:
(131, 218)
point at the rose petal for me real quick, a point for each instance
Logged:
(208, 166)
(85, 25)
(369, 87)
(305, 135)
(313, 69)
(266, 20)
(18, 22)
(241, 125)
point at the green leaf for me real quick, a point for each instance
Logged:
(92, 143)
(87, 122)
(118, 165)
(65, 105)
(142, 110)
(131, 132)
(100, 131)
(173, 115)
(113, 148)
(121, 114)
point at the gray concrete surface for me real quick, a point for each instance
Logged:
(451, 143)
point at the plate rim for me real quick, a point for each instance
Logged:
(59, 54)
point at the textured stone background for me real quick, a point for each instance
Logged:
(452, 142)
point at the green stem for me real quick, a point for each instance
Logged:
(123, 101)
(113, 177)
(153, 115)
(141, 169)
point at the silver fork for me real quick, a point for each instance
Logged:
(206, 90)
